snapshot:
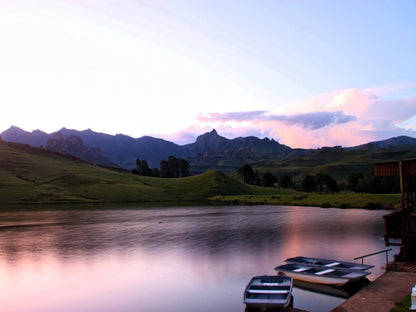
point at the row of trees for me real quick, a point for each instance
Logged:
(358, 182)
(171, 168)
(267, 179)
(323, 183)
(320, 182)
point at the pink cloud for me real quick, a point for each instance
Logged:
(345, 117)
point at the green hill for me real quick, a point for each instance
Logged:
(30, 175)
(36, 175)
(337, 162)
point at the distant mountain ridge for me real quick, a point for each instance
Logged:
(17, 135)
(124, 150)
(209, 151)
(400, 140)
(75, 146)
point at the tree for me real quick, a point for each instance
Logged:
(165, 171)
(268, 179)
(247, 173)
(138, 167)
(183, 168)
(326, 183)
(331, 185)
(308, 183)
(142, 168)
(174, 168)
(285, 181)
(353, 180)
(320, 179)
(155, 172)
(146, 171)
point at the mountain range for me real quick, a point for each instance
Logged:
(209, 151)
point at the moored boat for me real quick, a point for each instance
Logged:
(330, 263)
(268, 292)
(320, 274)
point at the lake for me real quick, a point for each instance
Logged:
(154, 259)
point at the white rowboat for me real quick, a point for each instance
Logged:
(268, 292)
(330, 263)
(320, 274)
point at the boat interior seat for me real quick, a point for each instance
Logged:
(332, 264)
(255, 291)
(324, 272)
(301, 269)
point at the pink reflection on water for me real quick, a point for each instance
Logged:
(139, 281)
(192, 261)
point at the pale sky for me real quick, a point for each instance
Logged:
(305, 73)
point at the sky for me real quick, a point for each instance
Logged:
(307, 73)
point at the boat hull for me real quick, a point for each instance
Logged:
(320, 274)
(316, 279)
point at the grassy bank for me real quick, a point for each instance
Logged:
(404, 305)
(31, 175)
(340, 200)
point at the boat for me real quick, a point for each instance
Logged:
(320, 274)
(330, 263)
(268, 292)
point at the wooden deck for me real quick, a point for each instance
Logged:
(403, 267)
(382, 295)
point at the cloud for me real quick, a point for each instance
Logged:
(344, 117)
(312, 120)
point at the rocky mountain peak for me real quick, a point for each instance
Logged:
(210, 141)
(74, 145)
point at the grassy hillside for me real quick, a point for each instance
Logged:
(36, 175)
(339, 163)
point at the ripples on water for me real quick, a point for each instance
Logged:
(169, 259)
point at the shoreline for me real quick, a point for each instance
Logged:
(173, 203)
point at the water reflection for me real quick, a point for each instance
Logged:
(195, 258)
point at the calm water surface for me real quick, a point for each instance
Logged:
(170, 259)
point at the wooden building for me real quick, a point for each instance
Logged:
(401, 225)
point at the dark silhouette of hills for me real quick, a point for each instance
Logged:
(124, 150)
(392, 142)
(209, 151)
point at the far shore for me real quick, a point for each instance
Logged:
(340, 200)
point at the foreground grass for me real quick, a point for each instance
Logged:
(404, 305)
(31, 175)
